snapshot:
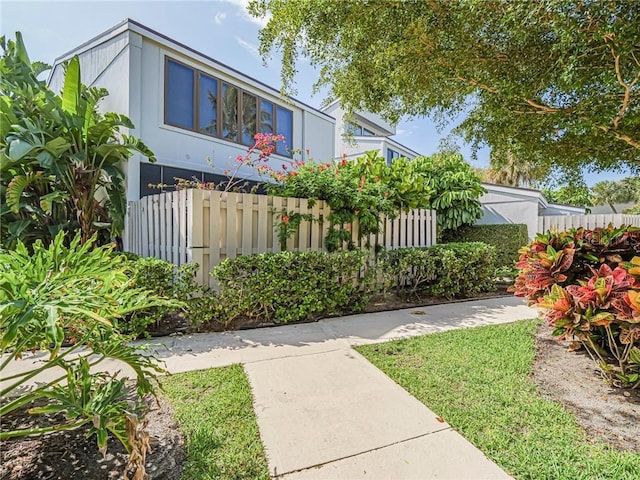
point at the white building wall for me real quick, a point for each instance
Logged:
(499, 208)
(318, 136)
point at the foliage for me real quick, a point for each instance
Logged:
(290, 286)
(449, 270)
(587, 283)
(557, 79)
(289, 224)
(479, 381)
(73, 294)
(60, 158)
(608, 192)
(578, 195)
(164, 279)
(514, 167)
(456, 189)
(367, 189)
(507, 239)
(214, 410)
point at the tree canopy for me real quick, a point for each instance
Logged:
(558, 79)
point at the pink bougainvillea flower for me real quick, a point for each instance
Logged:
(285, 219)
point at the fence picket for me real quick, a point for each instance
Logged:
(566, 222)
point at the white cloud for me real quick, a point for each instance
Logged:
(248, 46)
(219, 17)
(244, 13)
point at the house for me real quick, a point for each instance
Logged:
(189, 108)
(365, 131)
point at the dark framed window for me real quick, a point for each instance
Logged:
(249, 118)
(267, 122)
(207, 104)
(229, 112)
(391, 154)
(201, 103)
(284, 126)
(161, 174)
(179, 95)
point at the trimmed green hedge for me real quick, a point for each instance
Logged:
(290, 286)
(506, 238)
(448, 270)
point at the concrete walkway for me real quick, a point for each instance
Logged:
(324, 412)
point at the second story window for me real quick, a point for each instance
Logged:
(391, 154)
(179, 107)
(199, 102)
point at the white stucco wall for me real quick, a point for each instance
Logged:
(318, 136)
(504, 207)
(105, 65)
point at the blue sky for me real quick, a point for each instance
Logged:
(221, 29)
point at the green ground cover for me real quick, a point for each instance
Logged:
(478, 380)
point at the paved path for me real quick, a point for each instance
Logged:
(324, 412)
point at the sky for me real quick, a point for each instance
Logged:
(221, 29)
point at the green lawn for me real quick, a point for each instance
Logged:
(478, 380)
(215, 412)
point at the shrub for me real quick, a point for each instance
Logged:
(61, 156)
(366, 188)
(587, 283)
(507, 239)
(449, 270)
(164, 279)
(290, 286)
(73, 294)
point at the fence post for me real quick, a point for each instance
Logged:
(195, 237)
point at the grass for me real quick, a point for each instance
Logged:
(478, 380)
(215, 412)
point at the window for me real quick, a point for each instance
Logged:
(391, 154)
(266, 117)
(199, 102)
(249, 118)
(207, 105)
(229, 112)
(367, 133)
(284, 126)
(179, 95)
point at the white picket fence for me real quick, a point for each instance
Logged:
(208, 226)
(565, 222)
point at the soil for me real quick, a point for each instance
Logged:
(607, 414)
(72, 456)
(573, 379)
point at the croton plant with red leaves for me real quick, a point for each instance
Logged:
(587, 286)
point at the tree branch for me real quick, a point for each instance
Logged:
(626, 86)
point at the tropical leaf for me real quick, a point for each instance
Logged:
(72, 86)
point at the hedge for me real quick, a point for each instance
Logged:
(506, 238)
(287, 287)
(448, 270)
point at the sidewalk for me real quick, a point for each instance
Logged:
(324, 412)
